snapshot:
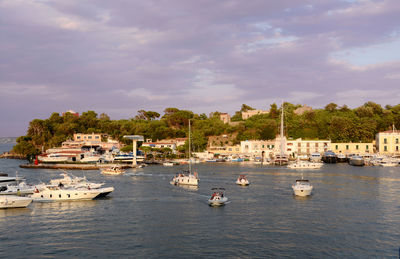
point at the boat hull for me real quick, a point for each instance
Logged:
(356, 162)
(302, 191)
(11, 201)
(217, 203)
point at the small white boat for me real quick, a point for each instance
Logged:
(302, 187)
(114, 170)
(56, 193)
(217, 198)
(13, 201)
(242, 180)
(168, 164)
(305, 165)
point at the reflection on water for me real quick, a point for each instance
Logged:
(353, 212)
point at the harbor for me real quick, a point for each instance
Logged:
(149, 217)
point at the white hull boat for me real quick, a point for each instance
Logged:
(74, 181)
(113, 171)
(242, 180)
(12, 201)
(302, 188)
(305, 165)
(217, 198)
(20, 189)
(185, 178)
(55, 193)
(168, 164)
(5, 180)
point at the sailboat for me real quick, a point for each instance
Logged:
(281, 159)
(186, 177)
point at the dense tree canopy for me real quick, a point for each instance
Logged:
(339, 124)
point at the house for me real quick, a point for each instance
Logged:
(387, 142)
(250, 113)
(225, 117)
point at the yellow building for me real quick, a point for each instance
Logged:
(87, 137)
(352, 148)
(387, 142)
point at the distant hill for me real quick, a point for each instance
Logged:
(8, 140)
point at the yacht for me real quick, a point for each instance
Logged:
(168, 164)
(20, 189)
(242, 180)
(217, 198)
(57, 193)
(53, 158)
(315, 157)
(329, 157)
(341, 158)
(186, 177)
(356, 160)
(74, 181)
(114, 170)
(13, 201)
(6, 180)
(302, 187)
(305, 165)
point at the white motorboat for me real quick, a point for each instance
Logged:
(114, 170)
(217, 198)
(6, 180)
(186, 177)
(13, 201)
(305, 165)
(302, 187)
(53, 158)
(56, 193)
(74, 181)
(356, 160)
(242, 180)
(168, 164)
(20, 189)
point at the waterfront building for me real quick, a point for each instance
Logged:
(306, 147)
(91, 141)
(353, 148)
(258, 148)
(250, 113)
(388, 142)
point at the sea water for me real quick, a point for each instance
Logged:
(353, 212)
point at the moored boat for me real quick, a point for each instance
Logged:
(329, 157)
(356, 160)
(56, 193)
(114, 170)
(13, 201)
(305, 165)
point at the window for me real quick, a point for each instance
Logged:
(246, 147)
(299, 145)
(230, 149)
(59, 195)
(69, 196)
(366, 147)
(397, 148)
(337, 147)
(90, 137)
(347, 147)
(263, 146)
(51, 195)
(357, 147)
(308, 144)
(384, 141)
(397, 141)
(316, 144)
(384, 148)
(97, 137)
(78, 137)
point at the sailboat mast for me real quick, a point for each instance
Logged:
(190, 160)
(282, 142)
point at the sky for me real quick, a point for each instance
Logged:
(118, 57)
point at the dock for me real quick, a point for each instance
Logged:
(73, 166)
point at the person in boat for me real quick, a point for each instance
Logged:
(60, 185)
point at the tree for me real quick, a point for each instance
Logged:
(246, 108)
(331, 107)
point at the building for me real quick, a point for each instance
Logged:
(250, 113)
(72, 112)
(302, 109)
(307, 147)
(352, 148)
(170, 145)
(387, 142)
(225, 117)
(91, 141)
(258, 148)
